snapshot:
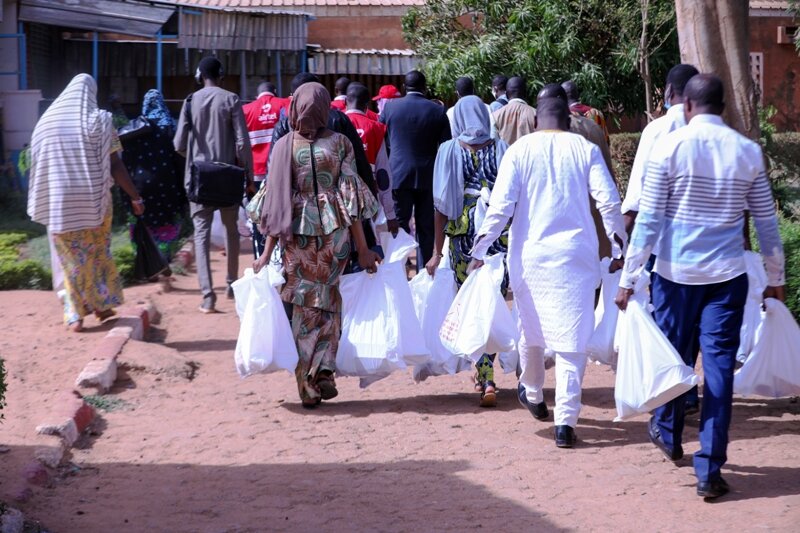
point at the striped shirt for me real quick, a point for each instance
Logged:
(700, 180)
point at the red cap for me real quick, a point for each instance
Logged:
(388, 91)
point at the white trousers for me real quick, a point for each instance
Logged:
(570, 368)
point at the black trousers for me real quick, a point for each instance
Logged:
(420, 202)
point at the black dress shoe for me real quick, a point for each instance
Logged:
(712, 489)
(538, 410)
(655, 438)
(565, 437)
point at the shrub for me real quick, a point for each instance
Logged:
(124, 257)
(10, 243)
(623, 151)
(25, 274)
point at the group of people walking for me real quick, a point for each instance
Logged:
(534, 183)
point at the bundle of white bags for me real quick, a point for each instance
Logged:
(265, 342)
(479, 320)
(757, 283)
(773, 367)
(650, 372)
(601, 345)
(380, 330)
(433, 297)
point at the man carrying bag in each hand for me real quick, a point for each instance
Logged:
(212, 134)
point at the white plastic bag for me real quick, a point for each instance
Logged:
(479, 320)
(601, 344)
(380, 330)
(757, 283)
(509, 360)
(265, 341)
(773, 368)
(650, 372)
(432, 300)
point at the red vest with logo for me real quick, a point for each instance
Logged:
(372, 134)
(261, 116)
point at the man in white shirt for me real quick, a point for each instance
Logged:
(677, 78)
(699, 181)
(543, 186)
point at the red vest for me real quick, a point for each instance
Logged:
(372, 134)
(341, 105)
(261, 116)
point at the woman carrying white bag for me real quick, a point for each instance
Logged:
(313, 203)
(465, 166)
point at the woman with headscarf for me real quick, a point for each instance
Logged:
(313, 203)
(74, 162)
(157, 174)
(463, 178)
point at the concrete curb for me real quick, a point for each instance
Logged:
(73, 415)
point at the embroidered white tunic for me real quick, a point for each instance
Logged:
(544, 183)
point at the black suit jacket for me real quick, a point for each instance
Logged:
(416, 127)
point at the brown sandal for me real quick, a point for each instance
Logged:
(327, 387)
(489, 397)
(102, 316)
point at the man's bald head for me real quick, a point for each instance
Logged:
(552, 114)
(704, 94)
(516, 88)
(552, 90)
(573, 94)
(357, 96)
(267, 87)
(341, 86)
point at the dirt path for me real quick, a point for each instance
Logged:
(222, 454)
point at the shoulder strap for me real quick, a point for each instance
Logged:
(189, 111)
(314, 177)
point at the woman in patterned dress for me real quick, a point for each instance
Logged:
(466, 169)
(313, 203)
(157, 173)
(74, 162)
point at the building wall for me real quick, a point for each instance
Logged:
(364, 31)
(9, 52)
(781, 70)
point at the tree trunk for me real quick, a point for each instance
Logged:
(714, 37)
(644, 62)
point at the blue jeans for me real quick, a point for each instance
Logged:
(712, 314)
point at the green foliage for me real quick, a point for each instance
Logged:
(623, 151)
(124, 258)
(10, 243)
(2, 388)
(105, 403)
(25, 274)
(594, 42)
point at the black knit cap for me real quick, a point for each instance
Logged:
(210, 68)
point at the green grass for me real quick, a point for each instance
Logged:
(105, 403)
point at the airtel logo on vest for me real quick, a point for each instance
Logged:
(266, 116)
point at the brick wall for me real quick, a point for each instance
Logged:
(363, 31)
(781, 70)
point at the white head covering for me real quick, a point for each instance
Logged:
(70, 177)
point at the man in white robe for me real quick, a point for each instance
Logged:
(544, 185)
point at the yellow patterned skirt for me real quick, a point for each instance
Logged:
(91, 282)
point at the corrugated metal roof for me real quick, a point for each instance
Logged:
(250, 4)
(357, 61)
(123, 16)
(225, 30)
(769, 4)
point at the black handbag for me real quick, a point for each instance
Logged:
(213, 183)
(149, 261)
(134, 129)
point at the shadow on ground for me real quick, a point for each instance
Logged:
(375, 496)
